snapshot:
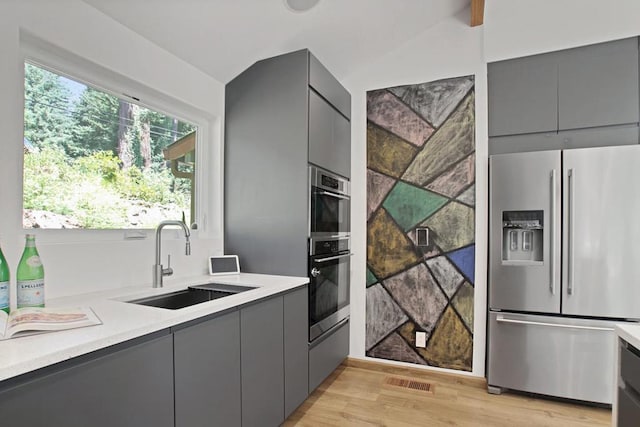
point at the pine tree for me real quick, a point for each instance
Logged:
(47, 108)
(95, 125)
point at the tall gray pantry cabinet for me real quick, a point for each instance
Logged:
(283, 114)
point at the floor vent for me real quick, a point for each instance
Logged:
(411, 384)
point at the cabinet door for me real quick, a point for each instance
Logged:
(598, 85)
(327, 355)
(329, 137)
(523, 95)
(324, 83)
(129, 387)
(262, 352)
(207, 373)
(296, 349)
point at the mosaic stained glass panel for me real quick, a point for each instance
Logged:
(421, 173)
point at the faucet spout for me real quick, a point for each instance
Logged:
(158, 271)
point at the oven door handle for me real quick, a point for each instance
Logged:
(331, 258)
(329, 193)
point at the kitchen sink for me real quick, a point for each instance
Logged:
(192, 295)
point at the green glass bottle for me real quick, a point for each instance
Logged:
(4, 283)
(30, 276)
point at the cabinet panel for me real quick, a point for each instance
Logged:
(266, 131)
(628, 409)
(296, 349)
(207, 373)
(130, 387)
(578, 138)
(328, 86)
(329, 137)
(327, 355)
(262, 370)
(598, 85)
(524, 143)
(599, 137)
(523, 95)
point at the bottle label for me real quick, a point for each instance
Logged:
(34, 261)
(4, 295)
(30, 293)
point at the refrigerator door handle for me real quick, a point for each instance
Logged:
(552, 233)
(570, 262)
(502, 319)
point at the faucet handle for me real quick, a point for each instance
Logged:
(168, 271)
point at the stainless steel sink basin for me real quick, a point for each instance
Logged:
(191, 296)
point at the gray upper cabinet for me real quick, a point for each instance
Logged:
(523, 95)
(129, 385)
(325, 84)
(575, 98)
(207, 373)
(598, 85)
(262, 367)
(329, 136)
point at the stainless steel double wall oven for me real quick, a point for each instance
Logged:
(329, 251)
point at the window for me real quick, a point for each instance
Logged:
(93, 160)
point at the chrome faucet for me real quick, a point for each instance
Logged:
(158, 271)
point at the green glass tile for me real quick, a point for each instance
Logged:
(409, 205)
(371, 279)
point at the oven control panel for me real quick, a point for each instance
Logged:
(333, 246)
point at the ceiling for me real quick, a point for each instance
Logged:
(223, 37)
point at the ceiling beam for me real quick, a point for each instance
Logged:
(477, 12)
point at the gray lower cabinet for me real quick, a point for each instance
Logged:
(627, 405)
(327, 354)
(246, 367)
(296, 349)
(131, 386)
(262, 367)
(207, 372)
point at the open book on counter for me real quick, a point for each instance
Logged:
(36, 320)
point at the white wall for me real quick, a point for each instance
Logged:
(82, 263)
(450, 49)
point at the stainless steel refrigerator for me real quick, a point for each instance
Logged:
(564, 267)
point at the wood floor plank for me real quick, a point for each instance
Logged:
(357, 394)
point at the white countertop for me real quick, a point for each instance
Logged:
(122, 321)
(630, 332)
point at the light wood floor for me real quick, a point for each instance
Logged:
(356, 395)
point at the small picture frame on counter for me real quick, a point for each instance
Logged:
(224, 264)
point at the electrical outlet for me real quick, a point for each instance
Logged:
(421, 339)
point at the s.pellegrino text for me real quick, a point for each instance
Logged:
(30, 276)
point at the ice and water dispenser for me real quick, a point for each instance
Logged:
(522, 237)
